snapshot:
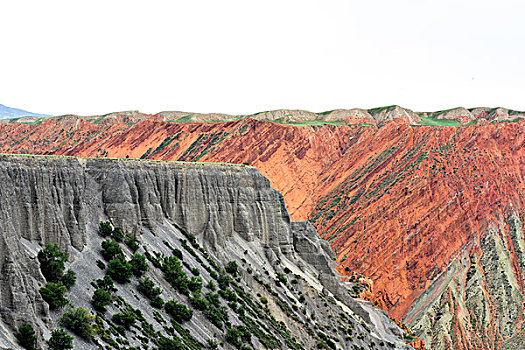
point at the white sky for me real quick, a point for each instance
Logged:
(245, 56)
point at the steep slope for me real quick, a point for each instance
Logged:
(411, 207)
(259, 281)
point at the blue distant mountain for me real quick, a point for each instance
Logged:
(9, 113)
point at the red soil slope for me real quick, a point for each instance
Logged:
(398, 202)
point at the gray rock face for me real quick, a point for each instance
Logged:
(232, 210)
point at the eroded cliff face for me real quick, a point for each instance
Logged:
(398, 203)
(232, 210)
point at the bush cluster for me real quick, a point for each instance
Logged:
(79, 321)
(52, 264)
(132, 242)
(126, 318)
(164, 343)
(175, 275)
(238, 336)
(111, 249)
(147, 288)
(54, 294)
(60, 340)
(179, 312)
(101, 298)
(120, 269)
(138, 265)
(232, 268)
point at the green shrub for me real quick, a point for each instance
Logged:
(52, 262)
(79, 321)
(238, 336)
(177, 253)
(174, 274)
(228, 294)
(132, 242)
(215, 312)
(195, 285)
(117, 234)
(101, 298)
(111, 249)
(264, 300)
(169, 344)
(179, 312)
(27, 337)
(69, 279)
(157, 302)
(60, 340)
(148, 289)
(120, 270)
(126, 318)
(282, 278)
(54, 294)
(105, 229)
(232, 267)
(223, 281)
(101, 264)
(138, 265)
(211, 286)
(198, 303)
(106, 283)
(212, 344)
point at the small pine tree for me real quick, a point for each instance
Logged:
(147, 288)
(111, 249)
(79, 321)
(52, 262)
(138, 265)
(178, 311)
(60, 340)
(120, 270)
(101, 298)
(126, 318)
(232, 267)
(105, 229)
(157, 302)
(132, 242)
(164, 343)
(27, 337)
(69, 279)
(118, 234)
(106, 283)
(54, 294)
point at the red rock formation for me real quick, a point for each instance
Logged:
(398, 202)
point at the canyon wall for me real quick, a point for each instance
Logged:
(405, 205)
(233, 212)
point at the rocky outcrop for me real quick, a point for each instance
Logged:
(232, 210)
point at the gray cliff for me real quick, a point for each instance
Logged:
(232, 210)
